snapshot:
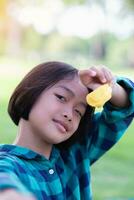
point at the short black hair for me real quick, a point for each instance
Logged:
(40, 78)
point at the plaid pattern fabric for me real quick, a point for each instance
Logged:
(66, 175)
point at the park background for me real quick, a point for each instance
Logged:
(82, 33)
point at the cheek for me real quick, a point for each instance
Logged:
(76, 124)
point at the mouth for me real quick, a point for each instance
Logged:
(61, 126)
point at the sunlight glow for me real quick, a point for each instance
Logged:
(81, 21)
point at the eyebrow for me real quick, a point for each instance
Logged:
(72, 94)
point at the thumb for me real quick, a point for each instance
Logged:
(86, 76)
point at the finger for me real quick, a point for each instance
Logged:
(108, 75)
(111, 79)
(86, 76)
(88, 72)
(99, 74)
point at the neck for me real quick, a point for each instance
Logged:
(28, 139)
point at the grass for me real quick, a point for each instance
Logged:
(112, 175)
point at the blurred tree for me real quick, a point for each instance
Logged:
(23, 35)
(3, 23)
(3, 13)
(129, 4)
(9, 29)
(99, 46)
(70, 2)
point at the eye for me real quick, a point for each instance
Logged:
(62, 98)
(78, 112)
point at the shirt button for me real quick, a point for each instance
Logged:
(51, 171)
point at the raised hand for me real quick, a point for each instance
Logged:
(96, 76)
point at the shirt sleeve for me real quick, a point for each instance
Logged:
(110, 124)
(9, 178)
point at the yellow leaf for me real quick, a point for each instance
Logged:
(99, 96)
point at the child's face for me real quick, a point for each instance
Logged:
(57, 113)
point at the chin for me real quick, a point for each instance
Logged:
(59, 141)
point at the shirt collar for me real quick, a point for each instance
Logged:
(26, 153)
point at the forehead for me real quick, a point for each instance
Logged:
(75, 85)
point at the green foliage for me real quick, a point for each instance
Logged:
(70, 2)
(130, 4)
(31, 40)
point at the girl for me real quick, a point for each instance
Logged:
(59, 135)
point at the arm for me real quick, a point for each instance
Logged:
(109, 125)
(119, 96)
(96, 76)
(9, 194)
(10, 185)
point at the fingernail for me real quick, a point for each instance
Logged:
(93, 73)
(103, 80)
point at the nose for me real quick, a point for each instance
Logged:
(67, 117)
(67, 113)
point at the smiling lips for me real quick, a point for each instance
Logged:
(63, 127)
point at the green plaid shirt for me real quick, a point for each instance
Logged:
(66, 175)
